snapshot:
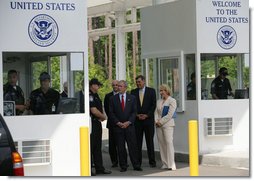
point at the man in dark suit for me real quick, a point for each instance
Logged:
(110, 125)
(146, 104)
(123, 110)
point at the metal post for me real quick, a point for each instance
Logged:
(84, 152)
(193, 147)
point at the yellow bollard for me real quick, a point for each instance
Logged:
(84, 151)
(193, 147)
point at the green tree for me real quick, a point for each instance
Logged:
(37, 69)
(55, 72)
(98, 71)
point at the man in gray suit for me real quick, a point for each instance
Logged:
(123, 111)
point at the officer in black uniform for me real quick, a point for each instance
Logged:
(97, 116)
(44, 100)
(220, 87)
(65, 91)
(191, 88)
(12, 92)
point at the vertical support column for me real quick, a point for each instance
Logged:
(239, 71)
(90, 39)
(108, 25)
(63, 71)
(134, 42)
(110, 64)
(155, 75)
(120, 46)
(147, 70)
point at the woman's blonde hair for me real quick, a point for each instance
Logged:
(166, 88)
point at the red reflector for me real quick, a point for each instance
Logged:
(17, 164)
(19, 171)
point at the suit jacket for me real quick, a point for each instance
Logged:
(167, 120)
(117, 114)
(149, 103)
(106, 108)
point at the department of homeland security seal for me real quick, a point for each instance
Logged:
(226, 37)
(43, 30)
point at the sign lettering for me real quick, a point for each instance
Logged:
(16, 5)
(226, 12)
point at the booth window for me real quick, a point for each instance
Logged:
(37, 83)
(237, 65)
(170, 75)
(190, 77)
(149, 70)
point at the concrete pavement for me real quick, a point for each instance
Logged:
(182, 168)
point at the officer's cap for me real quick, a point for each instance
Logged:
(44, 76)
(223, 70)
(95, 81)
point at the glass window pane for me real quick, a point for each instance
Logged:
(3, 136)
(224, 75)
(37, 68)
(55, 72)
(170, 76)
(190, 77)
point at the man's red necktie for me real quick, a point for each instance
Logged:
(122, 102)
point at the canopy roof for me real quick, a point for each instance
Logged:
(100, 7)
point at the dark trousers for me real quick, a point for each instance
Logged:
(96, 142)
(148, 130)
(112, 146)
(127, 135)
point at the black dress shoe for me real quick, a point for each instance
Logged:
(152, 165)
(103, 172)
(138, 169)
(114, 165)
(123, 170)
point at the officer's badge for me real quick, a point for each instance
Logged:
(91, 98)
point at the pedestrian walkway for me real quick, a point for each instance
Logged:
(182, 168)
(234, 159)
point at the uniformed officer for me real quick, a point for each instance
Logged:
(191, 88)
(65, 91)
(220, 87)
(97, 116)
(12, 92)
(44, 100)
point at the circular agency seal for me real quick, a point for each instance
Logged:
(226, 37)
(43, 30)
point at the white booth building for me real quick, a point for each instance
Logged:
(201, 36)
(51, 36)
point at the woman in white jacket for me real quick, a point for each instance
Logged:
(164, 121)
